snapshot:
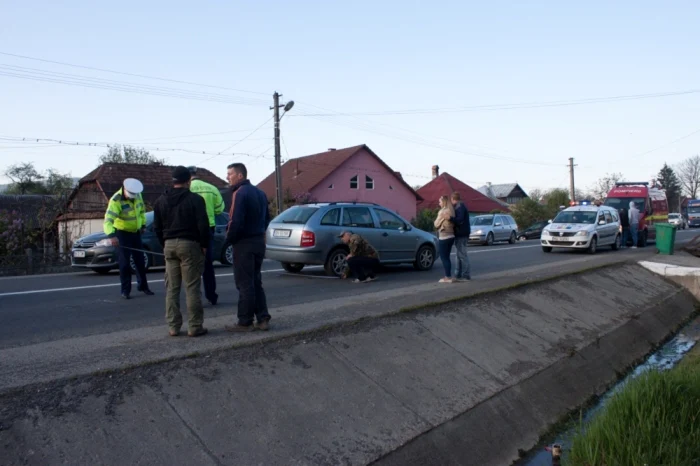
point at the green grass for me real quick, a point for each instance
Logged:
(653, 420)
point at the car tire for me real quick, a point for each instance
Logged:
(546, 249)
(146, 261)
(292, 268)
(335, 263)
(616, 245)
(102, 271)
(522, 238)
(512, 238)
(227, 255)
(593, 247)
(425, 258)
(489, 240)
(643, 239)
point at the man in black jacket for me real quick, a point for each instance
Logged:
(249, 218)
(624, 227)
(182, 226)
(462, 232)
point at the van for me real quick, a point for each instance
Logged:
(651, 202)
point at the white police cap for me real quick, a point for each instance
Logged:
(133, 186)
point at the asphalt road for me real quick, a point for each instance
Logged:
(43, 308)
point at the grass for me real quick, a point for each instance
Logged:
(653, 420)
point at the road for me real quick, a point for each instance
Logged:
(38, 309)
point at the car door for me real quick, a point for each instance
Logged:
(397, 243)
(610, 228)
(601, 228)
(500, 228)
(359, 220)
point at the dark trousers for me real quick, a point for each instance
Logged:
(626, 236)
(208, 277)
(445, 246)
(362, 267)
(127, 242)
(248, 255)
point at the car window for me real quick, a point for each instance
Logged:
(358, 217)
(332, 217)
(608, 217)
(296, 215)
(510, 220)
(615, 216)
(483, 220)
(601, 217)
(501, 219)
(221, 219)
(389, 221)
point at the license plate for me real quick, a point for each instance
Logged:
(78, 253)
(282, 233)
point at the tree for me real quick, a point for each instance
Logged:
(425, 219)
(602, 187)
(57, 183)
(527, 212)
(537, 194)
(669, 182)
(688, 172)
(556, 198)
(130, 155)
(25, 179)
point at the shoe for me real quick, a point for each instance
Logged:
(126, 296)
(213, 301)
(466, 279)
(147, 292)
(264, 325)
(357, 280)
(238, 328)
(201, 331)
(174, 333)
(370, 279)
(446, 280)
(633, 247)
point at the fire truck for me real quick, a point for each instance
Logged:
(651, 202)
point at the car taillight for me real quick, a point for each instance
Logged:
(308, 239)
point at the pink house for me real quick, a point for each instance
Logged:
(345, 175)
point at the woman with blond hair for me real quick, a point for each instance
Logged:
(446, 235)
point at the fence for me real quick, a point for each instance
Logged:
(34, 262)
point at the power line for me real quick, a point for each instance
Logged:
(249, 135)
(669, 143)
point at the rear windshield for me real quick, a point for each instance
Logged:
(624, 202)
(298, 215)
(673, 215)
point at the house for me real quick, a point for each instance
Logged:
(509, 193)
(444, 184)
(85, 209)
(354, 174)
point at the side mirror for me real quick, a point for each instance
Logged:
(549, 221)
(497, 224)
(602, 222)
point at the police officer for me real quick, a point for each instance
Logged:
(125, 220)
(215, 206)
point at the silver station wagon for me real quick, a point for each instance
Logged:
(308, 235)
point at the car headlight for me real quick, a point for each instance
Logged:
(478, 232)
(103, 243)
(582, 233)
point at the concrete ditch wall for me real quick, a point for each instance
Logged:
(470, 382)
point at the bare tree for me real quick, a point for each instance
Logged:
(602, 187)
(688, 172)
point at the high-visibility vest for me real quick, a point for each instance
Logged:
(124, 214)
(212, 198)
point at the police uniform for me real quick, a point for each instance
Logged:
(124, 220)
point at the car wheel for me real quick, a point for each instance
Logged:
(292, 268)
(593, 247)
(227, 255)
(146, 262)
(616, 244)
(489, 239)
(102, 271)
(523, 238)
(335, 264)
(512, 238)
(425, 258)
(643, 239)
(547, 249)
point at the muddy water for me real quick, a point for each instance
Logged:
(663, 359)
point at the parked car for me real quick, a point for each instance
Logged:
(488, 229)
(583, 227)
(534, 231)
(308, 235)
(95, 251)
(678, 221)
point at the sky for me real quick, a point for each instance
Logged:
(464, 85)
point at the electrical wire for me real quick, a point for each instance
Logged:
(241, 140)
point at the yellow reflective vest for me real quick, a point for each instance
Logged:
(212, 198)
(124, 214)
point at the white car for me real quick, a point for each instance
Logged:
(678, 221)
(583, 227)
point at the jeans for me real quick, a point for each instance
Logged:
(184, 263)
(463, 268)
(208, 277)
(445, 249)
(248, 255)
(634, 231)
(362, 267)
(127, 242)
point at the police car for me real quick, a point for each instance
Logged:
(583, 226)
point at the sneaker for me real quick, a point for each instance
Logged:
(238, 328)
(263, 326)
(201, 331)
(446, 280)
(357, 280)
(633, 247)
(370, 279)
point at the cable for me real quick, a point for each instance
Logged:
(669, 143)
(241, 140)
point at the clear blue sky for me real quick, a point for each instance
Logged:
(363, 57)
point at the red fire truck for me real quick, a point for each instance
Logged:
(651, 202)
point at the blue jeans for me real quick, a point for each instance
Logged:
(463, 268)
(634, 231)
(445, 247)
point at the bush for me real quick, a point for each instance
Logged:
(425, 219)
(527, 212)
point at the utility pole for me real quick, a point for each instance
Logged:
(278, 154)
(572, 189)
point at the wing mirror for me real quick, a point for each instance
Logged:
(602, 222)
(497, 224)
(549, 221)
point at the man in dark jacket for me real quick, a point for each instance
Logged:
(182, 226)
(624, 227)
(462, 232)
(249, 217)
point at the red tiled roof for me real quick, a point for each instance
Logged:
(302, 174)
(445, 185)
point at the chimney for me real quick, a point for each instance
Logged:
(436, 171)
(330, 149)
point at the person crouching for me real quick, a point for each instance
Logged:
(363, 259)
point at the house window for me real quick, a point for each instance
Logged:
(391, 188)
(353, 182)
(330, 187)
(369, 182)
(513, 199)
